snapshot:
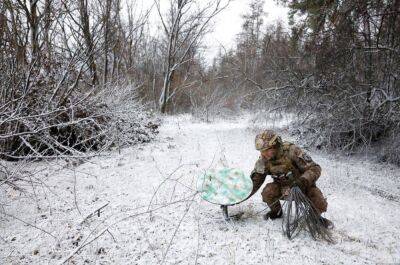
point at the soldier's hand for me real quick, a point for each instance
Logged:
(282, 178)
(302, 183)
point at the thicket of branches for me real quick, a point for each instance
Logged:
(68, 68)
(58, 60)
(352, 86)
(337, 67)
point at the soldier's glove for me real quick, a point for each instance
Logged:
(302, 183)
(281, 178)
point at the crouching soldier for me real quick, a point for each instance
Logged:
(289, 166)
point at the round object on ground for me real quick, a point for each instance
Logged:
(226, 186)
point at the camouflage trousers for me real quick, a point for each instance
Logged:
(274, 191)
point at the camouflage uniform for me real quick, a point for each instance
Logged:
(289, 165)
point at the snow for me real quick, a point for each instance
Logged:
(363, 197)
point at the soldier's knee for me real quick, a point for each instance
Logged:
(271, 190)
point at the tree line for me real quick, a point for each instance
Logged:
(336, 67)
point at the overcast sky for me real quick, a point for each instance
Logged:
(228, 23)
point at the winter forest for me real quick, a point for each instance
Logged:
(111, 111)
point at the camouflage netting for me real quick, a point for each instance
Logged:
(301, 215)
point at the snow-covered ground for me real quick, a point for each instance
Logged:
(152, 214)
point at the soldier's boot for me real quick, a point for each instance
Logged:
(328, 224)
(272, 215)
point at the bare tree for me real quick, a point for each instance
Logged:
(184, 25)
(87, 34)
(106, 19)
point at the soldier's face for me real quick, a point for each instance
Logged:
(269, 153)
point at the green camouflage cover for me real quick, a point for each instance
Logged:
(226, 186)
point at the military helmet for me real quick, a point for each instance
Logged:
(267, 139)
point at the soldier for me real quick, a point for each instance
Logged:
(289, 166)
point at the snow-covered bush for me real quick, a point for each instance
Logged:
(40, 125)
(129, 122)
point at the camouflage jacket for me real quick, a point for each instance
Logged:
(291, 162)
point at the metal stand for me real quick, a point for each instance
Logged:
(225, 212)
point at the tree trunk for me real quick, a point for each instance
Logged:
(34, 27)
(84, 17)
(47, 41)
(106, 39)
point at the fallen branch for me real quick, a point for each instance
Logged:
(29, 224)
(87, 241)
(93, 213)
